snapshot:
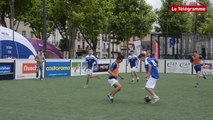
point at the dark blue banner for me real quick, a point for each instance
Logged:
(57, 69)
(7, 71)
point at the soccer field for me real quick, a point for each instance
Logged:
(66, 99)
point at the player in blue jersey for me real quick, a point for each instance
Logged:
(152, 76)
(133, 61)
(92, 64)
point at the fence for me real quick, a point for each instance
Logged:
(16, 69)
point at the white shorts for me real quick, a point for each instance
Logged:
(112, 81)
(133, 69)
(151, 83)
(90, 71)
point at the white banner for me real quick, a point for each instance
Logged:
(178, 66)
(137, 45)
(161, 66)
(25, 69)
(76, 66)
(103, 66)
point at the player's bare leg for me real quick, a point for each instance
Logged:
(117, 87)
(154, 97)
(197, 79)
(136, 76)
(133, 80)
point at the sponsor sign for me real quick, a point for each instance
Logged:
(84, 69)
(57, 69)
(102, 67)
(29, 68)
(208, 68)
(178, 66)
(7, 71)
(76, 69)
(25, 69)
(188, 8)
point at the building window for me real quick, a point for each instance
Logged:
(79, 36)
(87, 47)
(31, 34)
(83, 44)
(24, 33)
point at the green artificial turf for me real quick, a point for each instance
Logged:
(66, 99)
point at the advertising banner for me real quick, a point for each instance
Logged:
(178, 66)
(84, 69)
(103, 66)
(76, 69)
(57, 69)
(161, 66)
(208, 68)
(6, 70)
(25, 69)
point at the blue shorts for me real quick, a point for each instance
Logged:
(198, 67)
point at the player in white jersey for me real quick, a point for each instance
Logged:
(92, 63)
(133, 61)
(152, 76)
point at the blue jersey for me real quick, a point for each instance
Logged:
(91, 61)
(114, 67)
(133, 60)
(154, 70)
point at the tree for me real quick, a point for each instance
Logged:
(63, 17)
(92, 17)
(132, 18)
(19, 9)
(173, 22)
(205, 20)
(34, 18)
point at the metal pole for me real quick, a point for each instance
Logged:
(196, 19)
(12, 25)
(44, 35)
(195, 29)
(109, 46)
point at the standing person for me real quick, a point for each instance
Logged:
(147, 55)
(152, 76)
(197, 62)
(133, 61)
(92, 63)
(40, 58)
(113, 77)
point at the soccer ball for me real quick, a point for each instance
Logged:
(147, 99)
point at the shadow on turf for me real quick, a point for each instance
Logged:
(119, 101)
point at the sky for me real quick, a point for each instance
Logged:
(157, 3)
